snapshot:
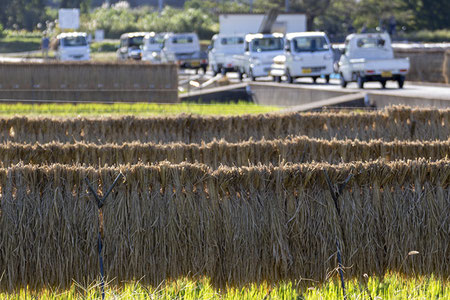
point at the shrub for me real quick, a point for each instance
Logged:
(117, 21)
(105, 46)
(442, 35)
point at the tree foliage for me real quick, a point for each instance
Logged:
(333, 16)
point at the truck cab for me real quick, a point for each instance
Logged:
(183, 49)
(306, 54)
(130, 46)
(221, 51)
(72, 46)
(369, 57)
(151, 47)
(259, 52)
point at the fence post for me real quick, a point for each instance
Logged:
(335, 194)
(100, 203)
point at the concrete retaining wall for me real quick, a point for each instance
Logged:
(129, 82)
(290, 94)
(384, 100)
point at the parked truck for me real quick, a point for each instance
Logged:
(221, 51)
(259, 52)
(151, 47)
(306, 54)
(183, 49)
(72, 46)
(369, 57)
(131, 46)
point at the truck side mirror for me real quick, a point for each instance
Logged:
(247, 48)
(287, 47)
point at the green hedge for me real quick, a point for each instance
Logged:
(117, 21)
(105, 46)
(426, 36)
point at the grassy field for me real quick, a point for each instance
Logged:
(392, 286)
(139, 109)
(10, 44)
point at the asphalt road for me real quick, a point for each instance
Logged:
(410, 89)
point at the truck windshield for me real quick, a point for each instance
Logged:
(156, 40)
(135, 41)
(230, 41)
(310, 44)
(267, 44)
(182, 40)
(74, 41)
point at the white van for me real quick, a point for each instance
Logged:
(72, 46)
(183, 49)
(221, 51)
(151, 47)
(306, 54)
(259, 52)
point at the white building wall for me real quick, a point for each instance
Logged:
(250, 23)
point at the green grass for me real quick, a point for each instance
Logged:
(138, 109)
(11, 44)
(392, 286)
(105, 46)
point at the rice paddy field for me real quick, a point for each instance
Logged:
(223, 201)
(135, 109)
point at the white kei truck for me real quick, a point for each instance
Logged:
(306, 54)
(369, 57)
(184, 50)
(259, 52)
(72, 46)
(151, 47)
(221, 51)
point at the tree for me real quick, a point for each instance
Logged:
(23, 13)
(312, 9)
(83, 5)
(430, 14)
(337, 19)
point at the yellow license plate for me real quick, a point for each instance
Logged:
(195, 64)
(386, 74)
(306, 71)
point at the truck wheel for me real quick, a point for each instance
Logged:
(343, 82)
(289, 78)
(215, 70)
(360, 81)
(204, 69)
(277, 78)
(383, 84)
(400, 82)
(240, 75)
(327, 79)
(251, 75)
(314, 79)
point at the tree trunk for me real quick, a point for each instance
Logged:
(310, 22)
